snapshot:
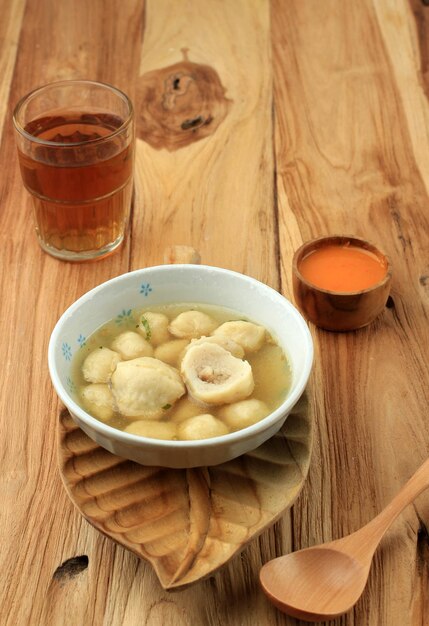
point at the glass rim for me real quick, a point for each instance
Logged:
(45, 142)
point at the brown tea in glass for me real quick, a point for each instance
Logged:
(77, 163)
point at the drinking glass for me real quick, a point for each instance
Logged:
(75, 144)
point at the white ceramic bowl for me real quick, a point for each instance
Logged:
(178, 284)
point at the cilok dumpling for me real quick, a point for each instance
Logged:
(249, 335)
(192, 325)
(99, 365)
(131, 345)
(146, 387)
(154, 327)
(171, 351)
(242, 414)
(152, 429)
(202, 426)
(213, 376)
(184, 409)
(224, 342)
(98, 400)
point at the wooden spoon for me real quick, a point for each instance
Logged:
(325, 581)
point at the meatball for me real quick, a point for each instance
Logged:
(99, 365)
(192, 325)
(146, 387)
(131, 345)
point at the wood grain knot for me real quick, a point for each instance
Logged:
(179, 104)
(422, 560)
(422, 534)
(71, 568)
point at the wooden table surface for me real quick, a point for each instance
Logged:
(313, 119)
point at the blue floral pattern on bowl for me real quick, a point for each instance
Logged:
(70, 385)
(66, 350)
(145, 289)
(124, 317)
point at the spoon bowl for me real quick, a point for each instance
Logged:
(341, 578)
(325, 581)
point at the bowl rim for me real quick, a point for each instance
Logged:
(359, 242)
(230, 438)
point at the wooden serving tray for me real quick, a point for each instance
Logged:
(186, 523)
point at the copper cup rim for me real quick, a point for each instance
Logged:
(341, 239)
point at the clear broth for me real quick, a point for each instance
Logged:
(271, 370)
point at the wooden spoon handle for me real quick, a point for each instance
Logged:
(371, 534)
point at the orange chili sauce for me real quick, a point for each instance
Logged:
(344, 268)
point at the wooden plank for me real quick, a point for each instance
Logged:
(408, 22)
(350, 152)
(35, 290)
(10, 26)
(348, 157)
(216, 193)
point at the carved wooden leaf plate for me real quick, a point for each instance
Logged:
(186, 523)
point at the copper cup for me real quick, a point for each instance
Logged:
(339, 310)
